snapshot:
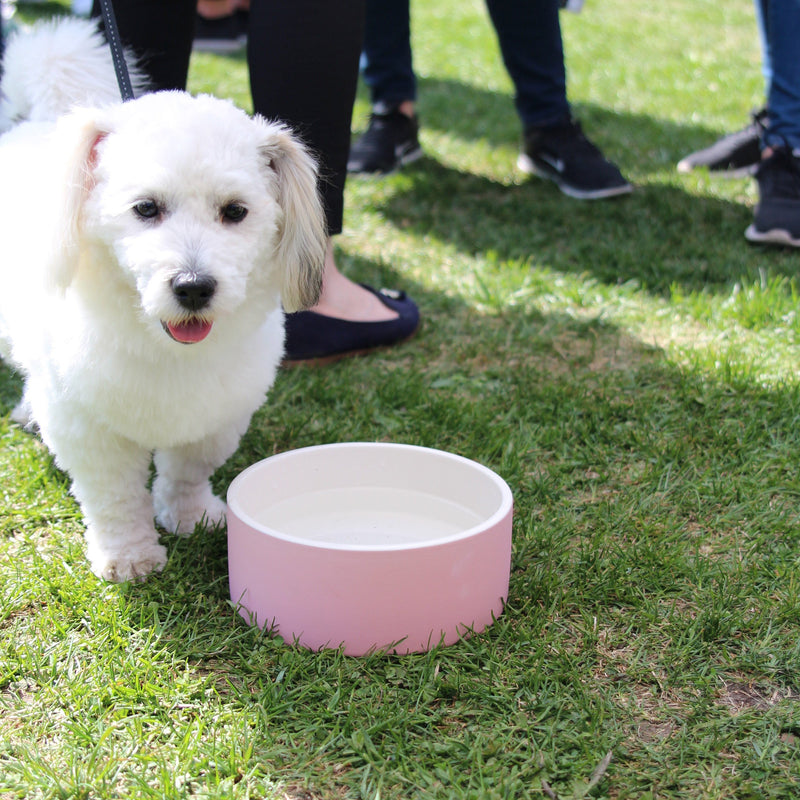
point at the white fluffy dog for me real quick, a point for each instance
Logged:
(147, 249)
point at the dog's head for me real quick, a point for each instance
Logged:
(199, 209)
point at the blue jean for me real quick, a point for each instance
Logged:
(762, 12)
(780, 22)
(529, 34)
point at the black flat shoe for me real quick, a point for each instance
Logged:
(316, 337)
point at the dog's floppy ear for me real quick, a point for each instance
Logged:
(77, 135)
(303, 233)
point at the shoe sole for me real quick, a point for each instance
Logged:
(323, 361)
(406, 158)
(219, 46)
(527, 165)
(740, 172)
(777, 236)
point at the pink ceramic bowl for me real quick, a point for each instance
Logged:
(369, 546)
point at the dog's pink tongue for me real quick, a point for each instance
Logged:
(194, 330)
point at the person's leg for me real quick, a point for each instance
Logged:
(160, 33)
(529, 34)
(783, 101)
(777, 214)
(737, 154)
(392, 136)
(221, 26)
(762, 23)
(555, 146)
(303, 57)
(387, 61)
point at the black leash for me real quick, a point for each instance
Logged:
(117, 54)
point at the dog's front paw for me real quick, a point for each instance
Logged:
(184, 511)
(131, 563)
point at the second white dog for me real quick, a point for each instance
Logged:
(146, 251)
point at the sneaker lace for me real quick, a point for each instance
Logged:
(760, 119)
(379, 122)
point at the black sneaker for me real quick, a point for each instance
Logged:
(223, 35)
(564, 155)
(777, 217)
(391, 140)
(734, 155)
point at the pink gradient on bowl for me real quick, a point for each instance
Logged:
(369, 546)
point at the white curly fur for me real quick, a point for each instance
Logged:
(70, 48)
(103, 207)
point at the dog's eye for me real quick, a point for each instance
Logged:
(233, 212)
(147, 209)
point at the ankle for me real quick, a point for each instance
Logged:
(214, 9)
(343, 299)
(407, 108)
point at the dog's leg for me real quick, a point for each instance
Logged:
(182, 493)
(109, 477)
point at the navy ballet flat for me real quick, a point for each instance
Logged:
(316, 337)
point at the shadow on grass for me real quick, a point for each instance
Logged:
(623, 467)
(658, 236)
(634, 141)
(661, 235)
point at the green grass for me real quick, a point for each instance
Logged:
(630, 368)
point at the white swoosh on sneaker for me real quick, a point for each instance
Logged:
(556, 163)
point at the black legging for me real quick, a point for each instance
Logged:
(303, 59)
(160, 33)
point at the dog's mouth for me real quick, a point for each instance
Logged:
(189, 331)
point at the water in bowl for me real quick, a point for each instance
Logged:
(368, 517)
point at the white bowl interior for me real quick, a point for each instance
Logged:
(369, 496)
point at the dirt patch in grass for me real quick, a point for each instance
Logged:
(740, 695)
(649, 732)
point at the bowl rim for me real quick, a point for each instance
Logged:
(505, 508)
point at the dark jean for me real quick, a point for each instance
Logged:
(529, 34)
(779, 25)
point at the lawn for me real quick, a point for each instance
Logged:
(628, 366)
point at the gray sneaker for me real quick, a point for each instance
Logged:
(735, 155)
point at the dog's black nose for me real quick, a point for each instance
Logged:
(193, 291)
